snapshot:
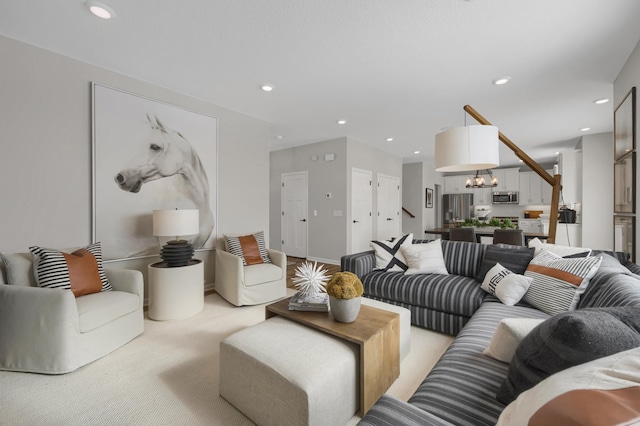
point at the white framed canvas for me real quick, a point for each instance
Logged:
(149, 155)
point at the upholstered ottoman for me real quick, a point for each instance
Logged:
(405, 322)
(279, 372)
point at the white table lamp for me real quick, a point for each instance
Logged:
(176, 223)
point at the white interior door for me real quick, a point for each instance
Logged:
(294, 217)
(361, 210)
(388, 207)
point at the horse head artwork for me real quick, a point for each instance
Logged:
(167, 153)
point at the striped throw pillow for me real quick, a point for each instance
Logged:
(81, 271)
(250, 248)
(558, 282)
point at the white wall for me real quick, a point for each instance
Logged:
(45, 153)
(329, 236)
(597, 193)
(630, 77)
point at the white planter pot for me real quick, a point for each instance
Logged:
(345, 310)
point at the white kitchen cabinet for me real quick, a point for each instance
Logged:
(455, 185)
(567, 234)
(534, 189)
(508, 179)
(482, 196)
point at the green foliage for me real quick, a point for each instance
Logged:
(495, 223)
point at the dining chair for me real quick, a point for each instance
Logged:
(513, 237)
(463, 234)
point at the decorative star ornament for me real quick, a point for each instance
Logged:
(310, 279)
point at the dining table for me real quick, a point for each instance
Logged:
(480, 232)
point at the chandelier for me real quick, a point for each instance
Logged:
(478, 180)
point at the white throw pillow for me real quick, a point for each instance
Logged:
(425, 258)
(508, 336)
(389, 257)
(557, 249)
(507, 286)
(558, 282)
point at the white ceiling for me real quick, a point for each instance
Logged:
(392, 68)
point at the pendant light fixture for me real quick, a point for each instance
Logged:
(478, 180)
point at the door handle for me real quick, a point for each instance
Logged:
(303, 220)
(356, 221)
(389, 218)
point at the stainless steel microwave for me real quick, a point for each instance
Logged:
(504, 198)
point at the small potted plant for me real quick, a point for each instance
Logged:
(345, 291)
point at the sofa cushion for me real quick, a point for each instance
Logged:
(425, 258)
(506, 285)
(446, 293)
(250, 248)
(97, 309)
(612, 285)
(514, 258)
(81, 271)
(19, 269)
(569, 339)
(600, 392)
(462, 386)
(462, 257)
(389, 256)
(261, 274)
(558, 282)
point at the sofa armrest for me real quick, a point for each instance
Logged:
(392, 411)
(358, 263)
(228, 267)
(127, 280)
(38, 329)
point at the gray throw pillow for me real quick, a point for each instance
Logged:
(569, 339)
(514, 258)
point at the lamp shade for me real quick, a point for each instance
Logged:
(461, 149)
(174, 223)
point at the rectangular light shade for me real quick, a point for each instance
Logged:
(461, 149)
(174, 223)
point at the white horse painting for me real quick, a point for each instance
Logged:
(167, 154)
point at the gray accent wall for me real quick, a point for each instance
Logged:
(45, 155)
(329, 236)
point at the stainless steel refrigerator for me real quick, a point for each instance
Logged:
(456, 207)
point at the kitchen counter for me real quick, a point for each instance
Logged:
(480, 232)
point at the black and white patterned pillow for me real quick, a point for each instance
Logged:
(558, 282)
(250, 248)
(52, 270)
(389, 257)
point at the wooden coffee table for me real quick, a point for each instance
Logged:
(375, 331)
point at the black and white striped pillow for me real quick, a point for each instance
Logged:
(250, 248)
(389, 257)
(51, 270)
(558, 282)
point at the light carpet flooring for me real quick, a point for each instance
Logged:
(167, 376)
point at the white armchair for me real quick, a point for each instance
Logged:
(51, 331)
(253, 284)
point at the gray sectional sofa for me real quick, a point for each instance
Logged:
(461, 389)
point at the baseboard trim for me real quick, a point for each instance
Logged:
(329, 261)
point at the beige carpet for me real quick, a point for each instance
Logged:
(166, 376)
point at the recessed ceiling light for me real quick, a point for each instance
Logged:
(279, 136)
(520, 160)
(267, 87)
(101, 10)
(389, 139)
(416, 152)
(601, 101)
(556, 153)
(502, 80)
(342, 121)
(585, 129)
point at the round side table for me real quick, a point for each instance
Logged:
(175, 293)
